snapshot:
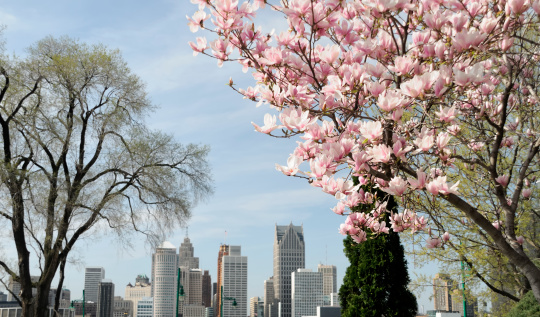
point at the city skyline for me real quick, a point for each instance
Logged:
(250, 195)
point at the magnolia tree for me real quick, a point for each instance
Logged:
(406, 94)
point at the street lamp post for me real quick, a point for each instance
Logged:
(226, 298)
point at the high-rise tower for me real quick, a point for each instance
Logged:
(329, 278)
(164, 273)
(234, 282)
(223, 251)
(289, 255)
(186, 254)
(92, 277)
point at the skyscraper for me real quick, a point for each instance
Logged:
(164, 273)
(268, 291)
(105, 298)
(186, 254)
(307, 292)
(92, 277)
(442, 292)
(234, 282)
(223, 251)
(329, 278)
(206, 289)
(289, 255)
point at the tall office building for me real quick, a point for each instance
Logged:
(137, 292)
(329, 274)
(289, 255)
(186, 254)
(307, 292)
(105, 305)
(223, 251)
(164, 274)
(268, 290)
(234, 282)
(92, 277)
(442, 292)
(206, 289)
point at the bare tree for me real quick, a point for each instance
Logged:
(75, 153)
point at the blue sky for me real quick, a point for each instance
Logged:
(196, 106)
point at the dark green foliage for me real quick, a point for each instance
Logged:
(527, 307)
(375, 284)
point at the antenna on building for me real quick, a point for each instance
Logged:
(187, 231)
(225, 237)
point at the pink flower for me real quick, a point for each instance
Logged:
(447, 114)
(506, 43)
(423, 143)
(390, 100)
(446, 237)
(417, 86)
(397, 186)
(520, 240)
(439, 185)
(339, 208)
(442, 140)
(526, 193)
(197, 21)
(359, 237)
(380, 153)
(269, 124)
(518, 6)
(503, 180)
(468, 38)
(433, 243)
(371, 130)
(496, 224)
(199, 47)
(453, 129)
(292, 166)
(420, 181)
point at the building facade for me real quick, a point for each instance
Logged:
(122, 307)
(442, 292)
(135, 293)
(329, 274)
(306, 292)
(206, 289)
(268, 290)
(234, 282)
(186, 255)
(289, 255)
(223, 251)
(145, 307)
(105, 303)
(92, 277)
(164, 280)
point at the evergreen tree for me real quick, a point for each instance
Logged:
(375, 283)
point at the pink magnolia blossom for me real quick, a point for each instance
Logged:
(292, 166)
(503, 180)
(380, 153)
(433, 243)
(446, 237)
(420, 181)
(526, 193)
(199, 47)
(371, 130)
(397, 186)
(520, 240)
(447, 114)
(269, 124)
(440, 186)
